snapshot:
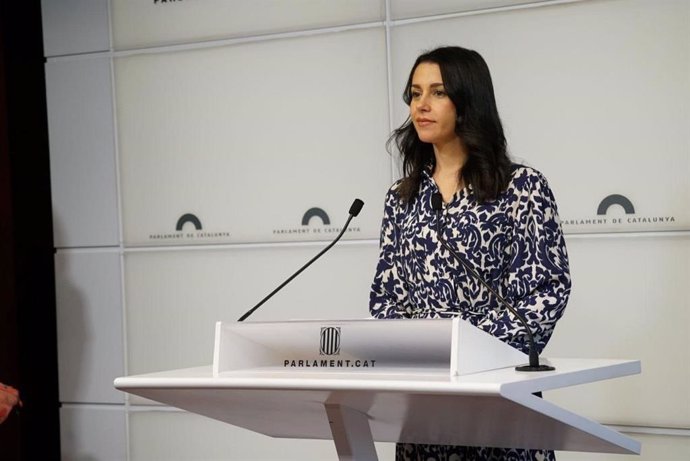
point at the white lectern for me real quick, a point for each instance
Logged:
(417, 381)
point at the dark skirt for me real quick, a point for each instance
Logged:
(413, 452)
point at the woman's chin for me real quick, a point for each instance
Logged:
(427, 138)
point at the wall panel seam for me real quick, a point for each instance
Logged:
(373, 241)
(98, 249)
(389, 80)
(120, 226)
(219, 43)
(258, 245)
(498, 9)
(627, 234)
(387, 23)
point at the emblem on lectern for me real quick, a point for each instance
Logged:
(330, 341)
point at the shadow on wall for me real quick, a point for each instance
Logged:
(90, 352)
(74, 344)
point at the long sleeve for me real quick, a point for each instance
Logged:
(389, 295)
(537, 280)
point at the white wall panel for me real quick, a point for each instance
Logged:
(628, 302)
(401, 9)
(166, 435)
(594, 94)
(93, 433)
(654, 448)
(75, 26)
(175, 298)
(89, 322)
(248, 138)
(137, 24)
(82, 159)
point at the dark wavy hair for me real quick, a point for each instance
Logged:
(467, 82)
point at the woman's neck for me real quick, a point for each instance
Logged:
(450, 157)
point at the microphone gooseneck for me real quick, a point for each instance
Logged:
(355, 208)
(437, 205)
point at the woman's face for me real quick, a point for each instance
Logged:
(431, 110)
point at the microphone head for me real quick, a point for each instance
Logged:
(356, 207)
(437, 202)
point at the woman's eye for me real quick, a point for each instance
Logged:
(415, 94)
(439, 93)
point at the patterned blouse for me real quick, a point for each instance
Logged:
(514, 242)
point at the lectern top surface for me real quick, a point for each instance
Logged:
(568, 372)
(399, 406)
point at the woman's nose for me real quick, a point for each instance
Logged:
(422, 104)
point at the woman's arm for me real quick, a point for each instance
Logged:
(389, 296)
(9, 397)
(537, 281)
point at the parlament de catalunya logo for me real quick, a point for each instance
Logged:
(631, 217)
(329, 346)
(188, 227)
(315, 221)
(330, 341)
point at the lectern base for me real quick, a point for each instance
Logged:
(351, 433)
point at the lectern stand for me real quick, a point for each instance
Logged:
(359, 381)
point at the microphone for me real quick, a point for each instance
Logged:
(437, 205)
(355, 208)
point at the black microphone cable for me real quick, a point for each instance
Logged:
(437, 205)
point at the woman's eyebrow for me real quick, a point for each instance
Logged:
(433, 85)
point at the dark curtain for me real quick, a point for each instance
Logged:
(28, 340)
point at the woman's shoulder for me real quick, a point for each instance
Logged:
(392, 208)
(396, 203)
(393, 193)
(525, 178)
(396, 185)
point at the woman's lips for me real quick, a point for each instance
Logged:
(424, 122)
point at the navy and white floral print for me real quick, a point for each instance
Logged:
(514, 242)
(409, 452)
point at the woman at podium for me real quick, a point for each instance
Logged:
(500, 217)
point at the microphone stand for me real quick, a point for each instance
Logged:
(355, 208)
